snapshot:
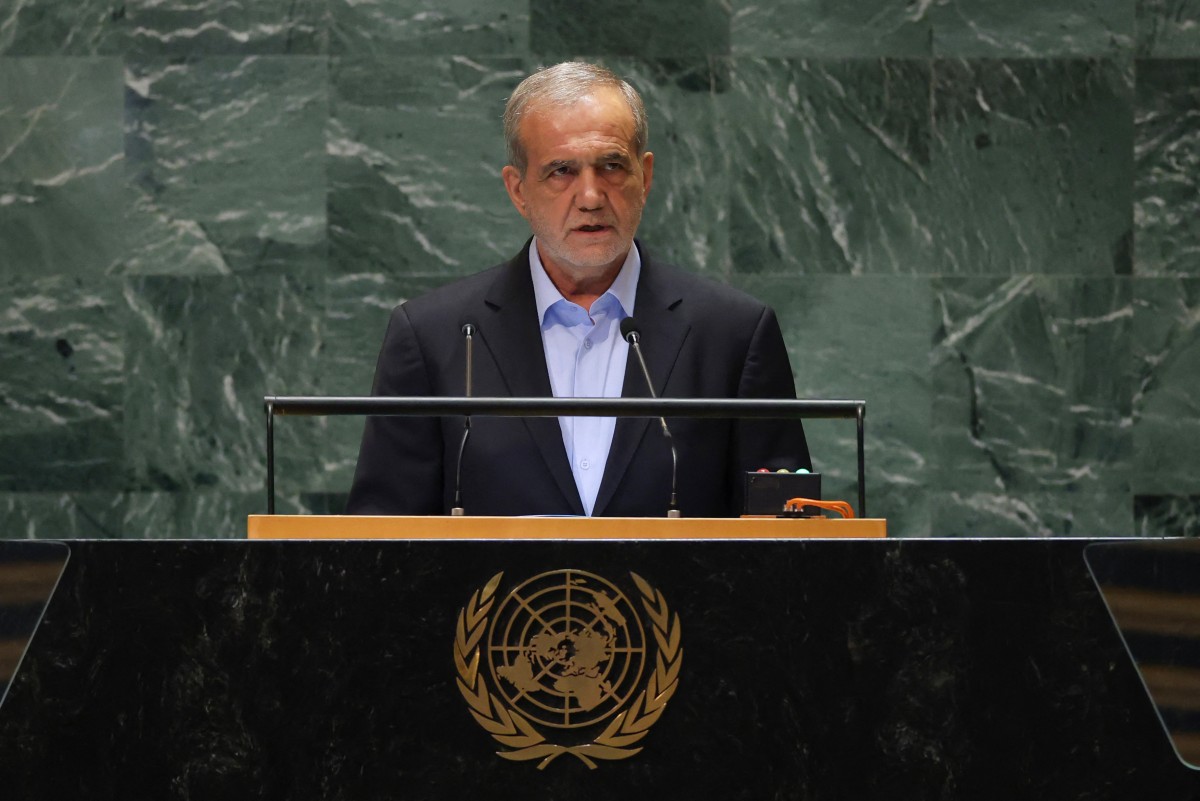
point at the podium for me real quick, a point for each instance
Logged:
(795, 668)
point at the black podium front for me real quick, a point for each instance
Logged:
(889, 669)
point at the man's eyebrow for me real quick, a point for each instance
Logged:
(615, 155)
(551, 166)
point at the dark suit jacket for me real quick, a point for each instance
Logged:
(701, 340)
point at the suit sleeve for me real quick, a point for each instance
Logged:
(772, 444)
(399, 468)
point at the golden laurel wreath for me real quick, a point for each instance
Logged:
(511, 729)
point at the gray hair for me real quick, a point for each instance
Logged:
(563, 85)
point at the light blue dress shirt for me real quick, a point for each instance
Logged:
(586, 357)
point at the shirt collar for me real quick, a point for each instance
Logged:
(623, 289)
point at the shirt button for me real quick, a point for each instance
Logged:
(587, 344)
(584, 464)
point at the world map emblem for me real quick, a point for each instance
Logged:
(563, 664)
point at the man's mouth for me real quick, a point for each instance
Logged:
(592, 229)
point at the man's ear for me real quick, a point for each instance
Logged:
(647, 172)
(514, 182)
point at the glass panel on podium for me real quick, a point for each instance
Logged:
(29, 572)
(1152, 590)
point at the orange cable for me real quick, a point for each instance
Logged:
(841, 507)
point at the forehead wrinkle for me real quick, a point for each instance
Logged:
(584, 128)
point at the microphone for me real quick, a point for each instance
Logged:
(633, 335)
(468, 331)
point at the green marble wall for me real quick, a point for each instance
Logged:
(980, 216)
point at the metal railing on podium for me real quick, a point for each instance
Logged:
(700, 408)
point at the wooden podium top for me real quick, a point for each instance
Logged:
(356, 527)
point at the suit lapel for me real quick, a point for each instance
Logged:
(509, 330)
(663, 333)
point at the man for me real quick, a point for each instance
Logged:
(548, 322)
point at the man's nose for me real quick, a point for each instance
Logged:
(591, 193)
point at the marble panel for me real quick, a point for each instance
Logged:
(324, 503)
(818, 29)
(312, 455)
(1031, 514)
(429, 27)
(839, 348)
(203, 351)
(194, 514)
(130, 515)
(1033, 167)
(225, 164)
(1032, 28)
(830, 166)
(65, 515)
(211, 27)
(1168, 28)
(415, 147)
(686, 219)
(60, 166)
(1166, 209)
(1031, 422)
(1167, 515)
(1166, 399)
(61, 385)
(52, 27)
(355, 318)
(665, 28)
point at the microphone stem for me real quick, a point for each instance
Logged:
(635, 342)
(673, 506)
(457, 510)
(470, 366)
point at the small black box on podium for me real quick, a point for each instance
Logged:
(768, 493)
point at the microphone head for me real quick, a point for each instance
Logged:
(630, 328)
(468, 329)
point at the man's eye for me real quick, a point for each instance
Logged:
(613, 166)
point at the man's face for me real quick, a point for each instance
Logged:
(584, 184)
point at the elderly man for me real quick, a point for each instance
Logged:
(548, 322)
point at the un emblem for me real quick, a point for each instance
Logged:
(563, 665)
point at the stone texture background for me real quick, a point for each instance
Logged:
(981, 216)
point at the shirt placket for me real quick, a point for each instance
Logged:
(582, 434)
